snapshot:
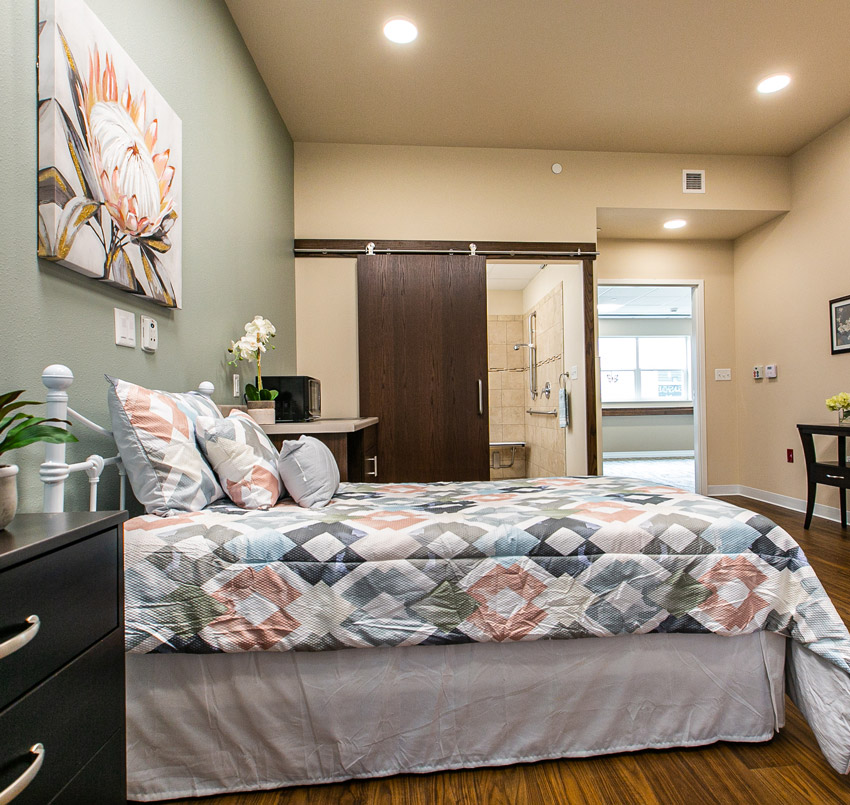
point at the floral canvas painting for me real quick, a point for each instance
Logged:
(109, 159)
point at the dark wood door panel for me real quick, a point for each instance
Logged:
(422, 324)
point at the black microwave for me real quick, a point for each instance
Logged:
(299, 398)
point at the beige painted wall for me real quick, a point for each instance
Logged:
(785, 274)
(326, 330)
(409, 192)
(504, 303)
(352, 191)
(712, 262)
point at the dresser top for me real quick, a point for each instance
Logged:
(322, 426)
(30, 535)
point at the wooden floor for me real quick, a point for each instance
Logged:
(788, 769)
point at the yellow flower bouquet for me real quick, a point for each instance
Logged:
(841, 403)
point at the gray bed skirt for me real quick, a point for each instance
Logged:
(209, 724)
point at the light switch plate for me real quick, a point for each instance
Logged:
(125, 328)
(574, 373)
(150, 338)
(758, 372)
(236, 384)
(722, 374)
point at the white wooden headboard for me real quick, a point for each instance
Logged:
(55, 470)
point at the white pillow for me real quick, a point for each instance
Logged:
(243, 457)
(308, 471)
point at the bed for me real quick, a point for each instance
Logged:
(413, 627)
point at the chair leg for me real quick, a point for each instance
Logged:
(842, 492)
(810, 504)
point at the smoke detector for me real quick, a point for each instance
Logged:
(693, 181)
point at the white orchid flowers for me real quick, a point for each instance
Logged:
(250, 347)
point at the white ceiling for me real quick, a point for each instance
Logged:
(643, 300)
(510, 276)
(675, 76)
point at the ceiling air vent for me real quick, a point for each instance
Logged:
(693, 181)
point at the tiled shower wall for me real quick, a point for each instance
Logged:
(545, 441)
(507, 379)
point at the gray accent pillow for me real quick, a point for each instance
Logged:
(155, 435)
(308, 471)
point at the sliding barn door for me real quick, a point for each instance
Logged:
(422, 322)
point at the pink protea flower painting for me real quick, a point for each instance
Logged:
(109, 176)
(135, 180)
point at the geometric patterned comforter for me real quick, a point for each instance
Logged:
(425, 564)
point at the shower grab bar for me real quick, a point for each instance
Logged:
(553, 412)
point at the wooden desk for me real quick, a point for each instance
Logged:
(829, 473)
(353, 442)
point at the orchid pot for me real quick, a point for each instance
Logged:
(8, 493)
(261, 411)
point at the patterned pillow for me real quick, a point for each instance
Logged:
(155, 434)
(243, 458)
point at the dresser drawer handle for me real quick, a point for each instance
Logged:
(8, 794)
(374, 472)
(11, 645)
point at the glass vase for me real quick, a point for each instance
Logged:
(844, 416)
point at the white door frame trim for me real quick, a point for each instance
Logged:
(698, 362)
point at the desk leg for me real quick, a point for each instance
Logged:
(810, 503)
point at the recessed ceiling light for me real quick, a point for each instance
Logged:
(400, 30)
(774, 83)
(675, 223)
(557, 167)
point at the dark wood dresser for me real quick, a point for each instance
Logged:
(62, 659)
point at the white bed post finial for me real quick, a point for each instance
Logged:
(54, 470)
(207, 389)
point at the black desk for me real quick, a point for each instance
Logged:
(829, 473)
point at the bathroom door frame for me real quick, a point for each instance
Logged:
(698, 379)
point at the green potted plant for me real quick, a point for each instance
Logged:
(18, 429)
(250, 347)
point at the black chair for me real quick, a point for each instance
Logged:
(829, 473)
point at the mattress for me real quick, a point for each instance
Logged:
(209, 724)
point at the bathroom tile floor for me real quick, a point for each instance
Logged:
(678, 472)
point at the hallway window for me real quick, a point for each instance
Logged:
(645, 368)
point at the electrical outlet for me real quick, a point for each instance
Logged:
(789, 455)
(236, 384)
(150, 335)
(722, 374)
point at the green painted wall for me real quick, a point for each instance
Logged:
(237, 224)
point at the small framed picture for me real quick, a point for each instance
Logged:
(839, 324)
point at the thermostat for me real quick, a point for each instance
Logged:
(149, 334)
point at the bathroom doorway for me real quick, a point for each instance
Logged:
(535, 336)
(651, 382)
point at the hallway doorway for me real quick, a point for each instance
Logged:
(650, 348)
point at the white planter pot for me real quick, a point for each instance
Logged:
(8, 494)
(261, 411)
